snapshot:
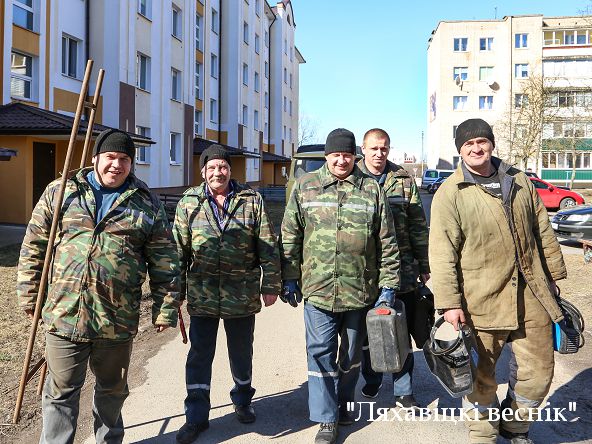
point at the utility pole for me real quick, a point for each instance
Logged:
(421, 154)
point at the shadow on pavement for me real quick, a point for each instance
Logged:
(278, 415)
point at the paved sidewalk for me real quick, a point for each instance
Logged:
(11, 234)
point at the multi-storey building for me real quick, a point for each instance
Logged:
(488, 68)
(180, 74)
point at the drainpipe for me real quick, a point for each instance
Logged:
(87, 46)
(269, 82)
(220, 76)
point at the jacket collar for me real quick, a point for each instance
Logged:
(240, 190)
(134, 182)
(505, 172)
(356, 177)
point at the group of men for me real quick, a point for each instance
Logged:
(353, 236)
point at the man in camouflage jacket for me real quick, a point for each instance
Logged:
(412, 239)
(112, 231)
(229, 259)
(338, 241)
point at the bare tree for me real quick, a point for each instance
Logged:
(307, 130)
(522, 124)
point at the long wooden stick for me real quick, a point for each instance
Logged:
(42, 378)
(91, 119)
(49, 249)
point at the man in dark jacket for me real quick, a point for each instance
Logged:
(229, 260)
(112, 231)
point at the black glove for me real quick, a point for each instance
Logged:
(291, 293)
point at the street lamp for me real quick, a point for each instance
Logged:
(6, 154)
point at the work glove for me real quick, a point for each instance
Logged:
(387, 297)
(291, 293)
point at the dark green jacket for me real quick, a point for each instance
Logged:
(97, 272)
(225, 271)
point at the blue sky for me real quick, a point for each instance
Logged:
(366, 61)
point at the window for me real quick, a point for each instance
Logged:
(266, 128)
(459, 102)
(291, 80)
(142, 153)
(174, 149)
(21, 76)
(197, 122)
(215, 23)
(460, 44)
(69, 56)
(257, 7)
(284, 132)
(461, 72)
(145, 8)
(486, 44)
(485, 102)
(213, 110)
(256, 120)
(198, 74)
(266, 70)
(521, 41)
(285, 76)
(454, 131)
(198, 37)
(266, 99)
(291, 54)
(290, 108)
(143, 72)
(175, 84)
(257, 43)
(256, 81)
(245, 74)
(290, 139)
(266, 38)
(214, 66)
(22, 13)
(177, 23)
(285, 104)
(285, 49)
(485, 73)
(246, 32)
(520, 100)
(521, 70)
(245, 115)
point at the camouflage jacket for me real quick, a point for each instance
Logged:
(338, 238)
(224, 271)
(95, 279)
(410, 223)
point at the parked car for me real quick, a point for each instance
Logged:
(430, 176)
(433, 187)
(554, 197)
(306, 159)
(531, 174)
(573, 223)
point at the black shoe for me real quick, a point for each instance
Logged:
(406, 402)
(245, 413)
(515, 438)
(327, 433)
(189, 432)
(371, 390)
(345, 416)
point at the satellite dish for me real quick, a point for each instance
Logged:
(457, 80)
(493, 84)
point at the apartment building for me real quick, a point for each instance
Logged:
(180, 75)
(486, 68)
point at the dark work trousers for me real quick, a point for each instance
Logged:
(403, 379)
(333, 368)
(66, 363)
(198, 370)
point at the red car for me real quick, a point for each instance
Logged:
(555, 197)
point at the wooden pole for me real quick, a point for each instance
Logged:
(42, 378)
(91, 119)
(49, 249)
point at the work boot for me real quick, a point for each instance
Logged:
(406, 402)
(189, 432)
(327, 433)
(515, 438)
(345, 416)
(371, 390)
(245, 413)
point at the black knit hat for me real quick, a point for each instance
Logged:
(471, 129)
(213, 152)
(113, 140)
(340, 140)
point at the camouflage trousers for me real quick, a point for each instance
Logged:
(531, 363)
(67, 362)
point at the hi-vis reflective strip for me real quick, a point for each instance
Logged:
(198, 386)
(323, 374)
(397, 200)
(350, 369)
(241, 381)
(333, 205)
